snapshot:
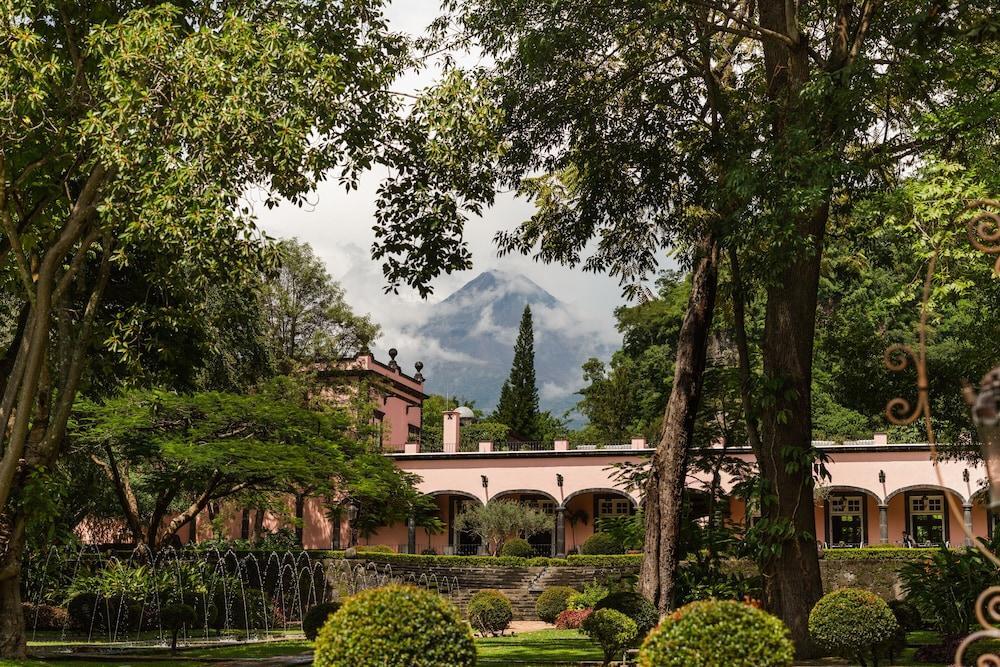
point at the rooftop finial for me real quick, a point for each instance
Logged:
(392, 359)
(419, 377)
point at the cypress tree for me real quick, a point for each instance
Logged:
(518, 405)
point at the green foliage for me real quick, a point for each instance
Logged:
(395, 626)
(711, 633)
(498, 521)
(518, 403)
(552, 602)
(615, 560)
(517, 547)
(636, 607)
(628, 530)
(707, 579)
(907, 615)
(307, 316)
(588, 598)
(944, 587)
(174, 617)
(613, 630)
(316, 617)
(213, 445)
(853, 623)
(375, 549)
(490, 612)
(879, 553)
(601, 544)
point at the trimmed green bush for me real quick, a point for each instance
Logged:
(430, 560)
(711, 633)
(636, 607)
(601, 544)
(174, 617)
(517, 547)
(395, 626)
(853, 623)
(316, 617)
(375, 549)
(552, 602)
(613, 630)
(879, 553)
(608, 560)
(490, 612)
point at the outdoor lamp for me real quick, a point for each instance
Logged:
(881, 477)
(965, 475)
(486, 480)
(986, 417)
(559, 480)
(352, 512)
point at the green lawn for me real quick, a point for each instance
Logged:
(545, 647)
(251, 650)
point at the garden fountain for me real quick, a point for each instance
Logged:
(115, 598)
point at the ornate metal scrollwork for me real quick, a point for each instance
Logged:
(984, 227)
(988, 614)
(899, 411)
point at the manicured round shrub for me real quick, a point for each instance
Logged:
(316, 617)
(395, 626)
(490, 612)
(853, 623)
(572, 619)
(176, 616)
(710, 633)
(517, 547)
(552, 602)
(601, 544)
(613, 630)
(636, 607)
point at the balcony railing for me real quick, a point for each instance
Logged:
(523, 446)
(586, 446)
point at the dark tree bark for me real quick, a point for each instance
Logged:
(664, 490)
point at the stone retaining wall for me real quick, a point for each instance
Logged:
(523, 584)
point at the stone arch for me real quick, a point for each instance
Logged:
(840, 488)
(926, 487)
(461, 494)
(525, 492)
(601, 490)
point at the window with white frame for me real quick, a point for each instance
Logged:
(927, 519)
(847, 521)
(612, 506)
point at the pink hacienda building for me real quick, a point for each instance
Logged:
(877, 489)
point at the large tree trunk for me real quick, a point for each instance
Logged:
(792, 583)
(664, 491)
(13, 641)
(792, 579)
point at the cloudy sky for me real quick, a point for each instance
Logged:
(339, 227)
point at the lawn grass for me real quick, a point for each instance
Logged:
(191, 657)
(544, 647)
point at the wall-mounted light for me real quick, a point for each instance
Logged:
(881, 477)
(486, 480)
(965, 475)
(559, 480)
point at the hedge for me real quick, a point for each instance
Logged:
(611, 561)
(879, 553)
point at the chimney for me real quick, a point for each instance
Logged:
(881, 438)
(452, 430)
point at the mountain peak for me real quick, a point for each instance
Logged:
(496, 284)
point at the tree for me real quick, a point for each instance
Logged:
(518, 404)
(307, 317)
(750, 124)
(129, 137)
(500, 520)
(169, 456)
